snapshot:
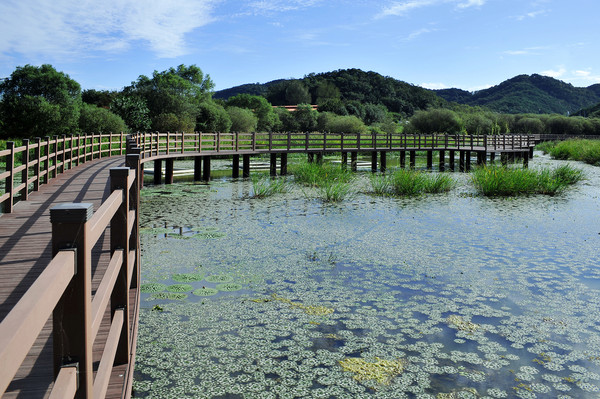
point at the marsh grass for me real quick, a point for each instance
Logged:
(334, 190)
(584, 150)
(406, 182)
(265, 186)
(317, 175)
(502, 181)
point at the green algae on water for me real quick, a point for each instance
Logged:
(187, 277)
(204, 291)
(219, 278)
(152, 287)
(179, 287)
(229, 287)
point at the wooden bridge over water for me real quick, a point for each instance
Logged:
(69, 239)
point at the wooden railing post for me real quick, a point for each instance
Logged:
(253, 141)
(133, 161)
(38, 166)
(25, 173)
(72, 329)
(119, 240)
(9, 182)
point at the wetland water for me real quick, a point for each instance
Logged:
(442, 296)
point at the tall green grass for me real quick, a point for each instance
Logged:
(316, 175)
(405, 182)
(264, 186)
(584, 150)
(502, 181)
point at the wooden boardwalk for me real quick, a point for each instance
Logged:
(26, 249)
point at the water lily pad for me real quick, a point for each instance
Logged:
(187, 277)
(152, 287)
(179, 287)
(177, 296)
(229, 287)
(219, 278)
(205, 291)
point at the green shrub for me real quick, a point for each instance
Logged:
(242, 119)
(93, 119)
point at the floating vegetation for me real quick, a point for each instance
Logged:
(179, 287)
(265, 186)
(204, 291)
(462, 324)
(209, 235)
(187, 277)
(152, 287)
(155, 230)
(308, 309)
(381, 371)
(458, 394)
(219, 278)
(229, 287)
(175, 296)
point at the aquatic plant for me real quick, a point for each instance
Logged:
(308, 309)
(316, 175)
(265, 186)
(152, 287)
(177, 296)
(204, 291)
(229, 287)
(407, 182)
(381, 371)
(462, 324)
(187, 277)
(219, 278)
(179, 287)
(584, 150)
(334, 190)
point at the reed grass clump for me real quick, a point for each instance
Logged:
(334, 190)
(406, 183)
(314, 174)
(502, 181)
(264, 186)
(584, 150)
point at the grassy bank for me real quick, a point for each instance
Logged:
(502, 181)
(584, 150)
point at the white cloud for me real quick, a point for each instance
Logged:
(418, 33)
(263, 6)
(434, 86)
(78, 27)
(531, 15)
(403, 7)
(555, 73)
(582, 74)
(526, 51)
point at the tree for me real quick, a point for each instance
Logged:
(327, 91)
(212, 117)
(176, 91)
(305, 117)
(169, 122)
(242, 120)
(374, 113)
(287, 121)
(101, 98)
(328, 122)
(94, 119)
(297, 93)
(333, 105)
(133, 110)
(437, 120)
(39, 101)
(262, 109)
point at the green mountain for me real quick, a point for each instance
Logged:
(528, 94)
(346, 85)
(590, 112)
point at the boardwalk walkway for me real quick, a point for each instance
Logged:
(25, 250)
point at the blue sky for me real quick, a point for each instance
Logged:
(469, 44)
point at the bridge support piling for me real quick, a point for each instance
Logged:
(320, 158)
(504, 158)
(373, 161)
(344, 160)
(206, 168)
(429, 160)
(468, 161)
(451, 157)
(526, 159)
(383, 162)
(481, 158)
(442, 163)
(197, 168)
(169, 171)
(283, 164)
(273, 165)
(403, 159)
(492, 157)
(246, 166)
(158, 171)
(311, 157)
(354, 161)
(413, 159)
(530, 152)
(461, 161)
(235, 169)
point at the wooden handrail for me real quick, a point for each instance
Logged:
(65, 385)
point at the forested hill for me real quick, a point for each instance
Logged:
(346, 85)
(528, 94)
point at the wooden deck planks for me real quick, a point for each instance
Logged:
(25, 250)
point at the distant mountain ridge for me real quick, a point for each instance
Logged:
(535, 93)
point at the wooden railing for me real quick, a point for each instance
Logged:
(64, 291)
(38, 161)
(154, 145)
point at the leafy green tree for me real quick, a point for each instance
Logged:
(178, 91)
(374, 113)
(267, 119)
(329, 122)
(355, 108)
(101, 98)
(333, 105)
(133, 110)
(287, 121)
(529, 125)
(437, 120)
(478, 123)
(297, 93)
(242, 120)
(326, 91)
(39, 101)
(212, 117)
(305, 117)
(170, 122)
(94, 119)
